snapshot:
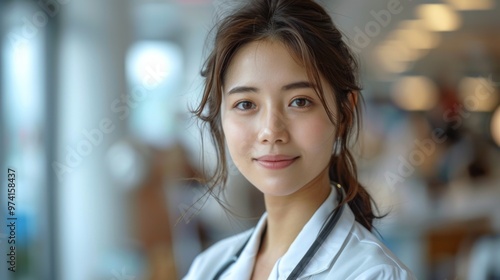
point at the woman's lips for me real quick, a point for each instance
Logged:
(275, 161)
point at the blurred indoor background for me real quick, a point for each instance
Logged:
(94, 99)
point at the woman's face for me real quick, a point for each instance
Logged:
(276, 128)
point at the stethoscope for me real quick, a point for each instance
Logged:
(323, 234)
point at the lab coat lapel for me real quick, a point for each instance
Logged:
(324, 257)
(243, 267)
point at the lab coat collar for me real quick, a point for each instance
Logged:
(321, 261)
(324, 257)
(243, 267)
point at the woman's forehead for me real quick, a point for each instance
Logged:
(264, 62)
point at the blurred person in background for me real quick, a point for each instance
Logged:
(281, 91)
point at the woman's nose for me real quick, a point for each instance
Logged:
(273, 129)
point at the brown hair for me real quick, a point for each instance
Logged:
(306, 29)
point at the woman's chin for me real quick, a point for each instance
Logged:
(276, 187)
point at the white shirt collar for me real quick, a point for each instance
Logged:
(322, 260)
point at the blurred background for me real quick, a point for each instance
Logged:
(94, 121)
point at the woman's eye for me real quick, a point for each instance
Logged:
(300, 102)
(244, 105)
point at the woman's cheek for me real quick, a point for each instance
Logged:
(320, 135)
(237, 134)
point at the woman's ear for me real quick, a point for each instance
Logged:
(353, 98)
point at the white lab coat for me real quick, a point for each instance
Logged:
(349, 252)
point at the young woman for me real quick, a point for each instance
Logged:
(282, 95)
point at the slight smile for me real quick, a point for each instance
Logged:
(275, 161)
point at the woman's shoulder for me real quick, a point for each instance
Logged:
(369, 256)
(217, 255)
(371, 245)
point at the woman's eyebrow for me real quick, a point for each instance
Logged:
(298, 85)
(295, 85)
(243, 89)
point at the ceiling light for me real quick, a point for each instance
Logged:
(414, 33)
(495, 126)
(415, 93)
(477, 94)
(385, 54)
(468, 5)
(400, 51)
(439, 17)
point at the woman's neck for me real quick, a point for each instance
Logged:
(286, 216)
